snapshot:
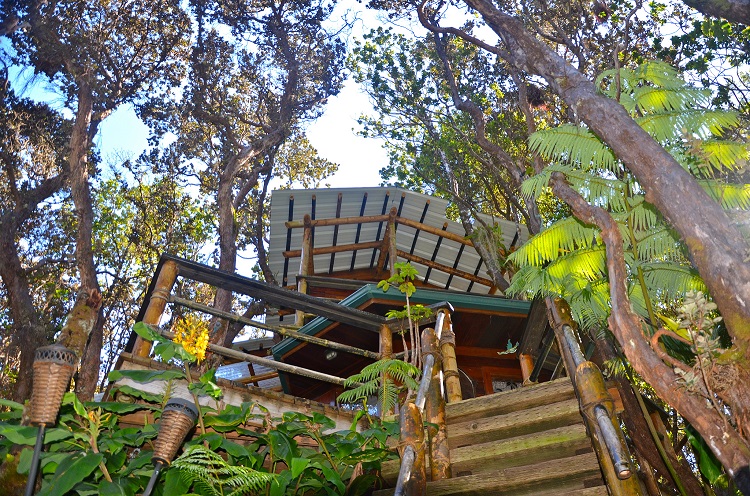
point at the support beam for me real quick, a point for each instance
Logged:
(440, 460)
(158, 301)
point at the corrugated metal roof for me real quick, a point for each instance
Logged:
(292, 205)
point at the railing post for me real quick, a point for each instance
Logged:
(450, 366)
(440, 461)
(596, 405)
(157, 303)
(305, 265)
(413, 481)
(527, 367)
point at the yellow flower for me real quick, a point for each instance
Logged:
(192, 333)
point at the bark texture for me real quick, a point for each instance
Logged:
(716, 247)
(732, 450)
(731, 10)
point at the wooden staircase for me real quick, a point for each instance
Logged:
(530, 441)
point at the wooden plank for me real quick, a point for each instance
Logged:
(324, 250)
(510, 401)
(514, 424)
(567, 475)
(522, 450)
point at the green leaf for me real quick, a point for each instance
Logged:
(107, 488)
(709, 466)
(144, 376)
(175, 483)
(117, 407)
(144, 331)
(361, 485)
(11, 404)
(78, 407)
(26, 435)
(283, 447)
(137, 393)
(70, 472)
(298, 466)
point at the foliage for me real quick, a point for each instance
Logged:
(191, 333)
(568, 258)
(90, 452)
(386, 379)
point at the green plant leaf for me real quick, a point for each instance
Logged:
(137, 393)
(26, 435)
(709, 466)
(117, 407)
(70, 472)
(144, 376)
(298, 466)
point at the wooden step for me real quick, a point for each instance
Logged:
(576, 475)
(521, 450)
(519, 423)
(513, 452)
(510, 401)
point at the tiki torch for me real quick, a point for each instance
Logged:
(177, 418)
(53, 367)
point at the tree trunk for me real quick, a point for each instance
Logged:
(28, 331)
(732, 450)
(80, 144)
(715, 245)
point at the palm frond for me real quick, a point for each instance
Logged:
(571, 144)
(642, 216)
(730, 196)
(561, 237)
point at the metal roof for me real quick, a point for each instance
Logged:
(292, 205)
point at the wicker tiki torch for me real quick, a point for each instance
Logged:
(53, 368)
(177, 419)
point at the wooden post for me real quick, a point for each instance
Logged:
(588, 388)
(527, 366)
(305, 266)
(450, 366)
(412, 436)
(385, 347)
(157, 303)
(440, 460)
(392, 249)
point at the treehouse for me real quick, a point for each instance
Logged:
(513, 424)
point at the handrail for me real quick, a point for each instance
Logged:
(409, 456)
(620, 458)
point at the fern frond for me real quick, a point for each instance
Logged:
(722, 154)
(571, 144)
(659, 243)
(210, 473)
(730, 196)
(672, 279)
(534, 281)
(561, 237)
(651, 99)
(673, 125)
(587, 263)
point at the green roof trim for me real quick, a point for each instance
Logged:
(459, 300)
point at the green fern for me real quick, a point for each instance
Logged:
(567, 259)
(209, 474)
(385, 379)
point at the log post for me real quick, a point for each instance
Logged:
(305, 266)
(440, 461)
(595, 402)
(450, 366)
(157, 303)
(392, 249)
(414, 481)
(527, 366)
(385, 348)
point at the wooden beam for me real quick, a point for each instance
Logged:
(444, 268)
(296, 224)
(334, 249)
(157, 302)
(434, 230)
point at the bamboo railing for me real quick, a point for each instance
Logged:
(596, 405)
(430, 404)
